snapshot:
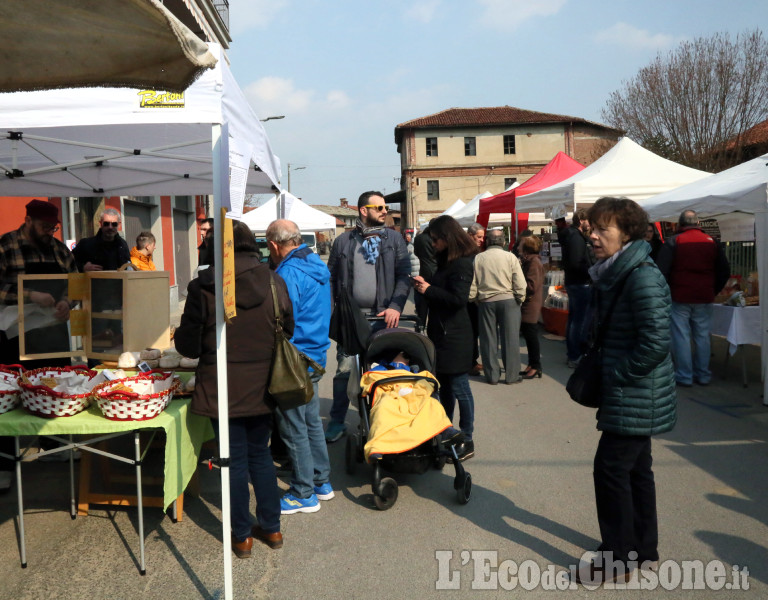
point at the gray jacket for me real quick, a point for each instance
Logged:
(392, 268)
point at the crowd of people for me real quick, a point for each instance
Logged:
(615, 264)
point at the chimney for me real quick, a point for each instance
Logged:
(343, 202)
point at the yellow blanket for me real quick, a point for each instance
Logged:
(404, 414)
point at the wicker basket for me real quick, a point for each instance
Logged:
(122, 405)
(42, 401)
(10, 399)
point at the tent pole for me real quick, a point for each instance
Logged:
(761, 238)
(219, 170)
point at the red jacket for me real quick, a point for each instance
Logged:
(695, 266)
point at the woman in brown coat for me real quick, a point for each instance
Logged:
(250, 342)
(529, 248)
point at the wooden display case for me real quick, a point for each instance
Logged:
(120, 311)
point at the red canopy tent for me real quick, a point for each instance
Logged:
(561, 167)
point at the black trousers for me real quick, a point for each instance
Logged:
(530, 332)
(625, 493)
(474, 319)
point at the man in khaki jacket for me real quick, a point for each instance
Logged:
(499, 290)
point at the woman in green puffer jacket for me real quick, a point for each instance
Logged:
(638, 388)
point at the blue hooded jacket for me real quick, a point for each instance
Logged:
(309, 288)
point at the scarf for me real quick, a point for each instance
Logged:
(371, 241)
(597, 270)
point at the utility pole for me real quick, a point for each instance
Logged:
(289, 174)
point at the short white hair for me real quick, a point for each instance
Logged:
(111, 212)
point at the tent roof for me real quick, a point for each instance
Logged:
(305, 217)
(556, 170)
(454, 208)
(627, 170)
(467, 215)
(129, 43)
(120, 141)
(743, 188)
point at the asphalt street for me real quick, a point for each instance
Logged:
(532, 511)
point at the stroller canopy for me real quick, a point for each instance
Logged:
(419, 347)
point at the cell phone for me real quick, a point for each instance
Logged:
(144, 367)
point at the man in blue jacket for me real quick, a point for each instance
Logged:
(309, 288)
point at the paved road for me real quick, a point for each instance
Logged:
(532, 501)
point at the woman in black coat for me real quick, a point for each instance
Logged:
(449, 326)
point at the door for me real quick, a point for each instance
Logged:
(137, 218)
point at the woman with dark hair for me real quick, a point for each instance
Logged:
(449, 326)
(632, 307)
(654, 239)
(529, 249)
(250, 344)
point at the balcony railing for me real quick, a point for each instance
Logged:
(222, 7)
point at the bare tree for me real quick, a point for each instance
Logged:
(694, 104)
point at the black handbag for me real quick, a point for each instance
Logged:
(349, 328)
(585, 385)
(290, 384)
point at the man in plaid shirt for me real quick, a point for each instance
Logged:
(32, 250)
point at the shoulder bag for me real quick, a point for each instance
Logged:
(290, 384)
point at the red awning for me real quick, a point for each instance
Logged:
(561, 167)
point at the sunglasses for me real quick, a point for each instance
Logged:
(109, 224)
(381, 208)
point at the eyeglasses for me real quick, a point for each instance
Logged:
(110, 224)
(380, 208)
(48, 228)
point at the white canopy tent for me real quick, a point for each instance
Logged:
(627, 170)
(468, 214)
(115, 141)
(306, 218)
(741, 190)
(454, 208)
(86, 43)
(119, 141)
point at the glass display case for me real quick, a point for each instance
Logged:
(112, 312)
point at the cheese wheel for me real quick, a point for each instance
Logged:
(169, 362)
(150, 354)
(127, 360)
(188, 363)
(152, 364)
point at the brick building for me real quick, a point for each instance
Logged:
(461, 152)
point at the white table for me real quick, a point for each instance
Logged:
(739, 325)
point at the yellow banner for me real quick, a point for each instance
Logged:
(228, 270)
(78, 322)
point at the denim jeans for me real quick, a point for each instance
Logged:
(579, 312)
(250, 456)
(302, 432)
(691, 323)
(455, 388)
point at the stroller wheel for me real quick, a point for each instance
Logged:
(463, 487)
(386, 496)
(350, 460)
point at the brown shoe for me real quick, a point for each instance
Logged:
(242, 549)
(273, 540)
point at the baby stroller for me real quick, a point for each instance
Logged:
(433, 453)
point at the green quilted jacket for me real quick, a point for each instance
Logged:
(638, 378)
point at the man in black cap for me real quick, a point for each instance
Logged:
(105, 251)
(32, 250)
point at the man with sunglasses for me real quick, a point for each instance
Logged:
(369, 263)
(32, 250)
(106, 251)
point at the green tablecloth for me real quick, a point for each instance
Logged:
(185, 433)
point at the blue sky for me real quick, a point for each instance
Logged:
(344, 73)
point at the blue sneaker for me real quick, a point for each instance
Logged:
(334, 431)
(290, 504)
(324, 492)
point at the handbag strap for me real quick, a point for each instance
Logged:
(316, 367)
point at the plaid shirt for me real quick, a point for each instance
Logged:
(17, 251)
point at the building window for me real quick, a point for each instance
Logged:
(509, 144)
(509, 181)
(469, 146)
(433, 190)
(432, 146)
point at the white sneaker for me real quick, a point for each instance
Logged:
(6, 478)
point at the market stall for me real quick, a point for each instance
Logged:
(740, 192)
(306, 218)
(109, 142)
